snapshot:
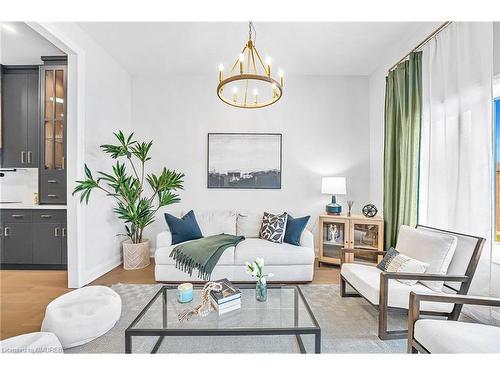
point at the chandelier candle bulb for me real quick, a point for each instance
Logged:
(255, 95)
(242, 59)
(221, 72)
(280, 73)
(268, 66)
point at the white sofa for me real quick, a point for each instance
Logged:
(289, 263)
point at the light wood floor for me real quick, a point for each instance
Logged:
(24, 295)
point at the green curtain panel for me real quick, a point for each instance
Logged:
(403, 116)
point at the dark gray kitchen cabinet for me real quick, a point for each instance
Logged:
(64, 250)
(17, 238)
(1, 242)
(20, 110)
(33, 239)
(53, 99)
(48, 244)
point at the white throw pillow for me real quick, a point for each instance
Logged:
(248, 224)
(403, 263)
(433, 248)
(216, 222)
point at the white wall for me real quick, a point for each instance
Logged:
(324, 122)
(21, 45)
(102, 91)
(496, 47)
(377, 105)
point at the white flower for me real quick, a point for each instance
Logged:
(254, 271)
(260, 262)
(263, 280)
(270, 274)
(248, 270)
(247, 264)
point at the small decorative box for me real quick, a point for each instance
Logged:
(185, 293)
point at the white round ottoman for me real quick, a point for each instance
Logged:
(32, 343)
(82, 315)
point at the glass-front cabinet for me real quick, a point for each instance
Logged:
(53, 143)
(356, 232)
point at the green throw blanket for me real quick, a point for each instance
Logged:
(203, 254)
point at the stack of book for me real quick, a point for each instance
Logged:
(228, 299)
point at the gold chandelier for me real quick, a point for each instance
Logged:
(250, 84)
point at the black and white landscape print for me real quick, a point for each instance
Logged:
(244, 160)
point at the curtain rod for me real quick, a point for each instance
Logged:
(422, 43)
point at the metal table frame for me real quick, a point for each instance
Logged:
(279, 331)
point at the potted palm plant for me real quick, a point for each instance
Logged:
(134, 205)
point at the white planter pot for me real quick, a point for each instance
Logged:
(135, 255)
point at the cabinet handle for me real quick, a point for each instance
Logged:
(64, 232)
(63, 162)
(22, 157)
(56, 231)
(52, 195)
(17, 216)
(45, 216)
(30, 154)
(6, 232)
(52, 181)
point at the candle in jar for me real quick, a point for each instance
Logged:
(185, 293)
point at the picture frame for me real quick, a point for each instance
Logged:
(244, 160)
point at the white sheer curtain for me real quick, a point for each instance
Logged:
(456, 186)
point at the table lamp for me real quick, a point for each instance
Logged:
(333, 185)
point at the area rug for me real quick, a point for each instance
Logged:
(348, 325)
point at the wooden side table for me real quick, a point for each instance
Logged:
(355, 232)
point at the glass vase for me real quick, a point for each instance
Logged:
(261, 291)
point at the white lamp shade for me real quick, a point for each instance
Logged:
(333, 185)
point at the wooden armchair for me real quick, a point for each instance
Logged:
(383, 291)
(445, 336)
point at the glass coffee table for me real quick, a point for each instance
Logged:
(285, 313)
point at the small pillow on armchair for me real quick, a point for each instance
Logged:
(388, 257)
(435, 249)
(183, 229)
(395, 262)
(273, 227)
(403, 263)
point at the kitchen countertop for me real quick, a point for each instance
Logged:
(32, 206)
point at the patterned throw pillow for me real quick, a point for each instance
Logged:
(405, 264)
(273, 227)
(388, 257)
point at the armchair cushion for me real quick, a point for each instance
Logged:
(447, 336)
(434, 248)
(366, 280)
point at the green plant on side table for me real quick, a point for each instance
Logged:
(134, 205)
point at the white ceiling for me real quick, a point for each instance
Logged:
(21, 45)
(333, 48)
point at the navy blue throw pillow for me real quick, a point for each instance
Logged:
(294, 229)
(183, 229)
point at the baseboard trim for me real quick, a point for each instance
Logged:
(100, 270)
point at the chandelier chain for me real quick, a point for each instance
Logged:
(250, 28)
